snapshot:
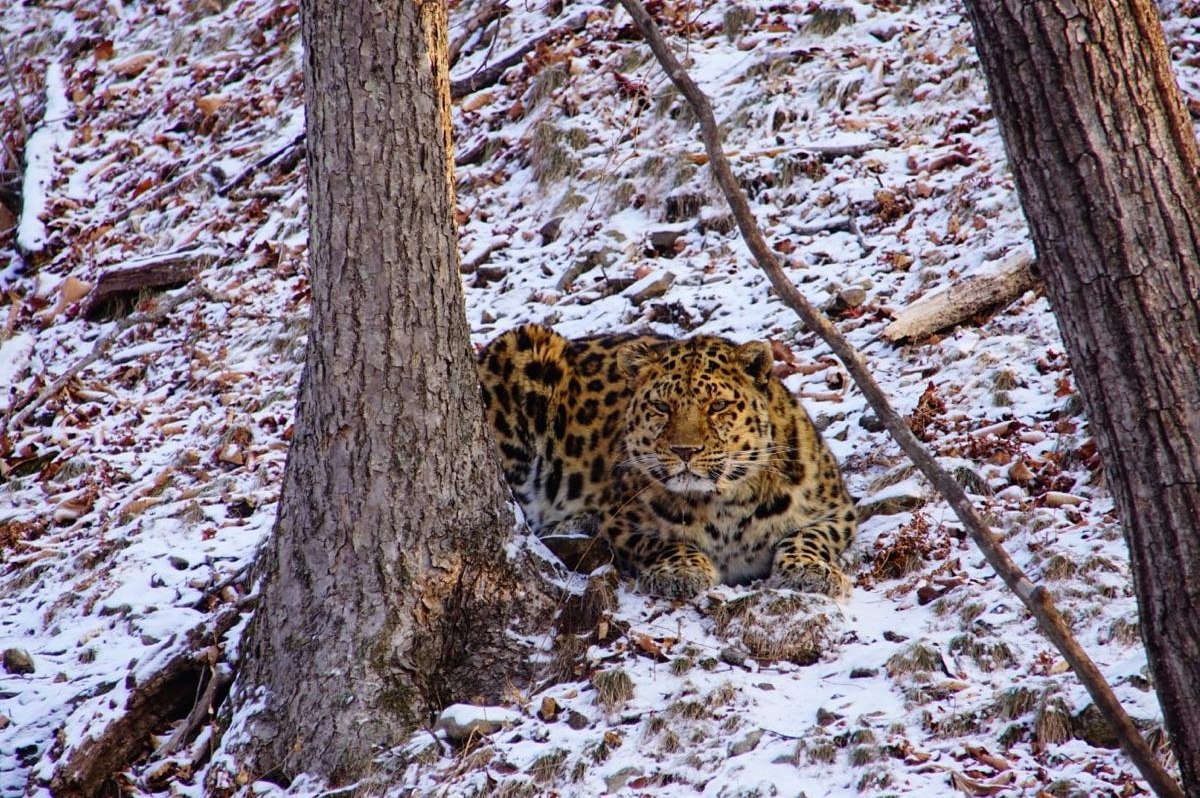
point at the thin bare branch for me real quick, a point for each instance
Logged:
(1035, 597)
(27, 404)
(261, 163)
(488, 12)
(492, 73)
(12, 83)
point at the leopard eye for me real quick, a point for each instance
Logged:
(719, 405)
(661, 407)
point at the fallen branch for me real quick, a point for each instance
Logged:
(835, 224)
(87, 768)
(486, 76)
(32, 400)
(964, 299)
(151, 197)
(1035, 598)
(826, 152)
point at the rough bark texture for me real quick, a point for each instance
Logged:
(1105, 160)
(385, 586)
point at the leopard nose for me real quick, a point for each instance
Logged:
(686, 453)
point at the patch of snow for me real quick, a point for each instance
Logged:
(51, 136)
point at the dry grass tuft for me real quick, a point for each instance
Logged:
(737, 18)
(549, 767)
(916, 659)
(1052, 724)
(1015, 702)
(614, 688)
(826, 21)
(772, 626)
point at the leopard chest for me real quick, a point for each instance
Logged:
(739, 536)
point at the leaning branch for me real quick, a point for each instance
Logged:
(1035, 598)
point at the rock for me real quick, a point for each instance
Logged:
(746, 744)
(550, 230)
(732, 655)
(852, 297)
(826, 718)
(577, 720)
(845, 301)
(899, 497)
(4, 722)
(871, 423)
(620, 778)
(663, 241)
(178, 563)
(580, 553)
(864, 673)
(461, 722)
(1090, 726)
(549, 709)
(17, 661)
(651, 286)
(1020, 474)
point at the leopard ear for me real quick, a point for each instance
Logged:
(756, 357)
(634, 355)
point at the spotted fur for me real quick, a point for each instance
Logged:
(689, 456)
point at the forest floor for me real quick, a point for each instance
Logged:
(162, 151)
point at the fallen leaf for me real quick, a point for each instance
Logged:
(209, 104)
(972, 787)
(133, 65)
(73, 289)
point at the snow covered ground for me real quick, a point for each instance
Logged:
(132, 503)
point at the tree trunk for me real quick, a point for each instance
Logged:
(1106, 164)
(385, 590)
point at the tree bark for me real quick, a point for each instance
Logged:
(1105, 160)
(385, 589)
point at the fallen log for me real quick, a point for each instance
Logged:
(161, 272)
(962, 300)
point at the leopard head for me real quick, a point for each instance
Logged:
(697, 420)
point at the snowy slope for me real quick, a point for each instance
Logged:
(132, 504)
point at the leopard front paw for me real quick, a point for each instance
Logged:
(810, 575)
(679, 580)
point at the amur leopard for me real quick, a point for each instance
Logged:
(689, 456)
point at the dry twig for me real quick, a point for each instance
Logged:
(1036, 598)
